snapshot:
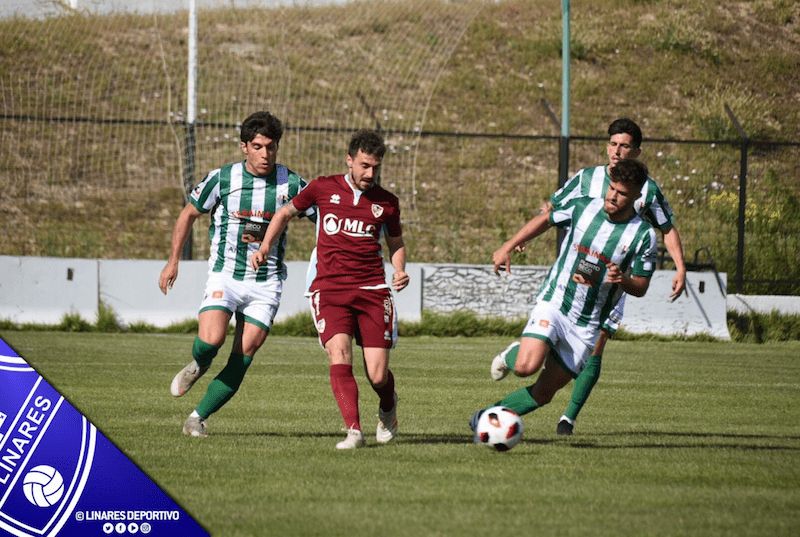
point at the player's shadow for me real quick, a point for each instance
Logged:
(420, 438)
(621, 440)
(402, 438)
(663, 440)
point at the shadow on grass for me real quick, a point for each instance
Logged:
(724, 441)
(402, 438)
(627, 440)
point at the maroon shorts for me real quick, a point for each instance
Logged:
(366, 314)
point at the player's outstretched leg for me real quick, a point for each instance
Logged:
(345, 390)
(500, 364)
(520, 401)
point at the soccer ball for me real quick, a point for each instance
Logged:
(499, 428)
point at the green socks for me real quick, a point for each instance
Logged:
(203, 353)
(583, 386)
(221, 389)
(520, 401)
(511, 358)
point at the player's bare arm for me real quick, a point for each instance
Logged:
(276, 226)
(672, 240)
(544, 209)
(633, 285)
(183, 226)
(535, 227)
(397, 256)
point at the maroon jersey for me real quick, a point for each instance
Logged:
(350, 226)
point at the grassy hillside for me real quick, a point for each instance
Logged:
(107, 190)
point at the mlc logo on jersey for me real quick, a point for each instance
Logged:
(352, 228)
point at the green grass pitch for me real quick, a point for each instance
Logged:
(678, 438)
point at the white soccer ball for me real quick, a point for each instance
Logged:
(499, 428)
(43, 486)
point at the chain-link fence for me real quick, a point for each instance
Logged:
(94, 153)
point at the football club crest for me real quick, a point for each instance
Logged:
(377, 210)
(59, 476)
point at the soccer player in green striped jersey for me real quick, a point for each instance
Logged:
(242, 198)
(624, 142)
(609, 250)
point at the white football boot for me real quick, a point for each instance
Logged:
(195, 426)
(186, 378)
(499, 368)
(387, 423)
(355, 439)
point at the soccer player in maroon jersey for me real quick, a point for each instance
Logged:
(349, 295)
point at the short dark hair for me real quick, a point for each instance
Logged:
(262, 123)
(367, 141)
(630, 171)
(626, 126)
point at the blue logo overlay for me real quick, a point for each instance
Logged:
(59, 476)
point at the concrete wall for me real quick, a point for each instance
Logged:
(789, 305)
(701, 310)
(42, 290)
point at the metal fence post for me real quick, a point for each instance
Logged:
(191, 113)
(742, 201)
(188, 181)
(563, 166)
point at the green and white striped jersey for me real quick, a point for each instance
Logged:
(242, 205)
(593, 182)
(593, 240)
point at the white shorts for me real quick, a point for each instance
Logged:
(257, 301)
(573, 345)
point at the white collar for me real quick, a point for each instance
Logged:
(356, 192)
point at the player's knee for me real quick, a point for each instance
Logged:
(378, 379)
(202, 352)
(339, 354)
(523, 370)
(526, 366)
(529, 360)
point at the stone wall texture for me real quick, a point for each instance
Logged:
(448, 288)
